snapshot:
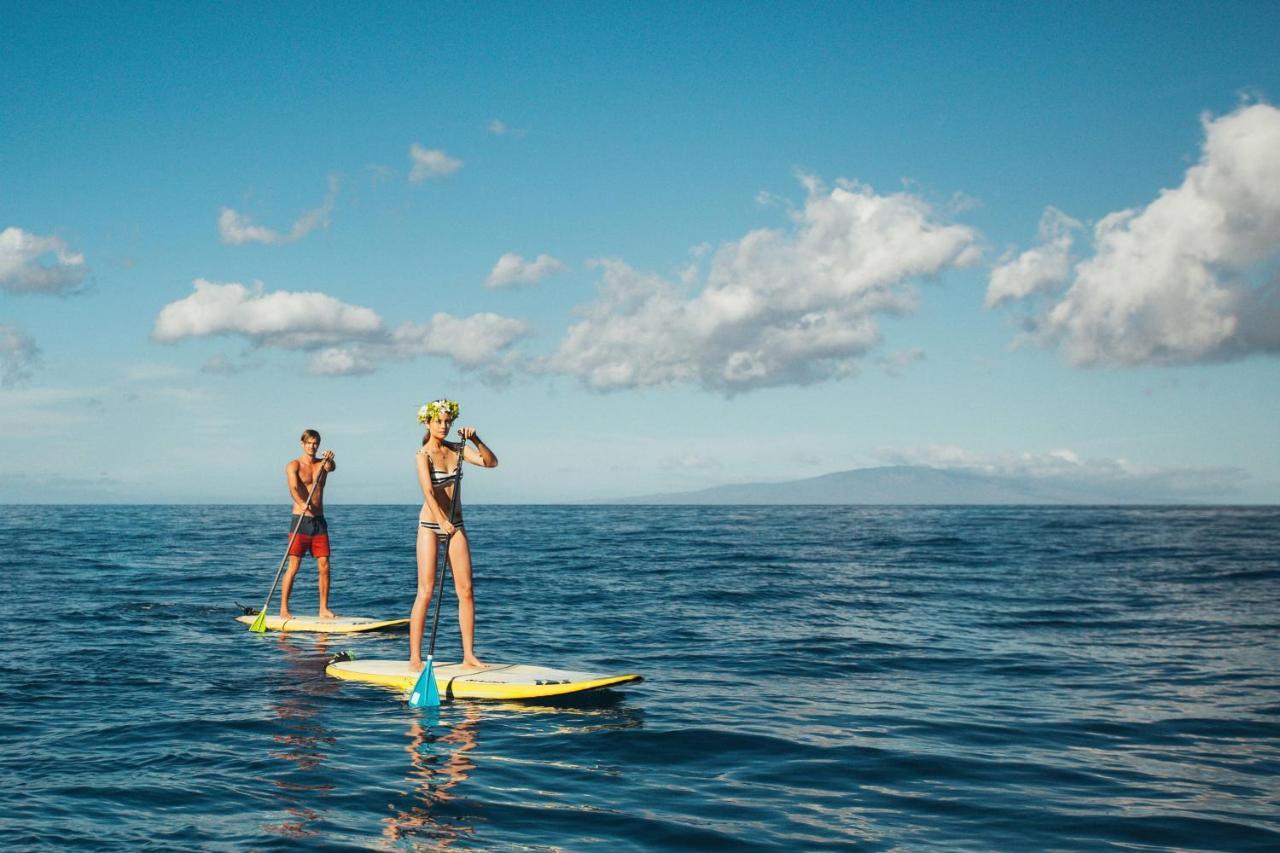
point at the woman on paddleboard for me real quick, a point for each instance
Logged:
(439, 465)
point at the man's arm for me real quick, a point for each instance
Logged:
(294, 482)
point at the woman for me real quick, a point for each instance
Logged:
(440, 475)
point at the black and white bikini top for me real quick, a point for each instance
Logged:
(440, 478)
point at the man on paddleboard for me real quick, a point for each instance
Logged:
(305, 476)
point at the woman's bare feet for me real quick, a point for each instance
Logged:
(473, 662)
(326, 613)
(416, 665)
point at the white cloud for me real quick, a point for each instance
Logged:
(338, 361)
(1065, 470)
(1177, 280)
(1033, 464)
(430, 163)
(344, 339)
(19, 355)
(896, 363)
(30, 263)
(279, 319)
(236, 228)
(497, 127)
(478, 341)
(512, 269)
(1042, 269)
(775, 307)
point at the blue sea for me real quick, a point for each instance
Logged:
(817, 678)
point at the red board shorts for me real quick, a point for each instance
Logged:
(313, 537)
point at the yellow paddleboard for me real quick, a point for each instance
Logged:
(497, 681)
(337, 625)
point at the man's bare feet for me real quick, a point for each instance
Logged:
(326, 613)
(416, 666)
(285, 614)
(473, 662)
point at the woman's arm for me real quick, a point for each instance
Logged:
(479, 455)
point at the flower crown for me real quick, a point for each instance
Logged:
(438, 408)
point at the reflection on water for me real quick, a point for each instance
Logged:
(303, 740)
(437, 764)
(441, 757)
(598, 711)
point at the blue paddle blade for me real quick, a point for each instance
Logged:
(425, 694)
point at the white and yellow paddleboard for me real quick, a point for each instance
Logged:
(497, 681)
(337, 625)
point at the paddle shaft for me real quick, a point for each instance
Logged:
(293, 536)
(441, 574)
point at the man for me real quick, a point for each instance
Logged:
(305, 477)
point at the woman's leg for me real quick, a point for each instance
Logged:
(427, 548)
(460, 564)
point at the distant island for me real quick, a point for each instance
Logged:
(911, 484)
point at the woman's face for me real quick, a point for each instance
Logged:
(440, 426)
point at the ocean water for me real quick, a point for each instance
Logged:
(817, 678)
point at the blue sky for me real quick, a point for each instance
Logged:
(649, 248)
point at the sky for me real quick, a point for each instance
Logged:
(648, 247)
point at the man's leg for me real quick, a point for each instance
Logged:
(286, 586)
(322, 570)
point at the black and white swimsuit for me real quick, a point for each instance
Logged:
(440, 478)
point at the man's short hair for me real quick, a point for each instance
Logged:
(309, 433)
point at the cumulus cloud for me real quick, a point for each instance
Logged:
(479, 343)
(773, 308)
(343, 339)
(512, 270)
(475, 341)
(430, 163)
(279, 319)
(1039, 270)
(19, 355)
(236, 228)
(339, 361)
(31, 263)
(1178, 280)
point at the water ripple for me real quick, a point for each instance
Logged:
(817, 678)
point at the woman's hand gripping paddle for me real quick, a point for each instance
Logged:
(259, 625)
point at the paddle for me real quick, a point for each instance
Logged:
(259, 625)
(425, 693)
